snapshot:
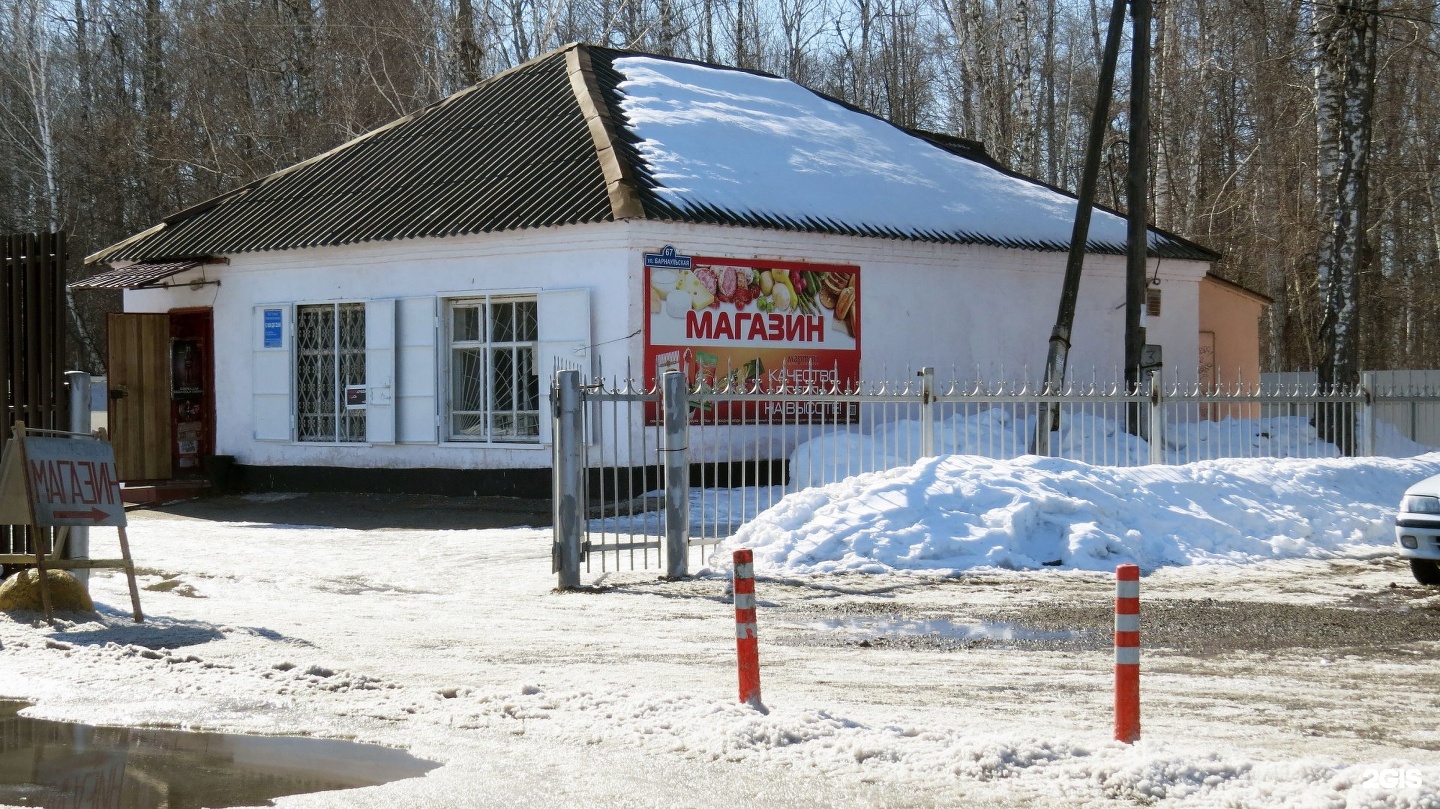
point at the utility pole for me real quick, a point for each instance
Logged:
(1058, 355)
(1136, 197)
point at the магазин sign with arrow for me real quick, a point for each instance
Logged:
(72, 482)
(61, 483)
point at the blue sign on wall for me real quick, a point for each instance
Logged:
(274, 329)
(668, 259)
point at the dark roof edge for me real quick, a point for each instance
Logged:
(102, 253)
(1240, 289)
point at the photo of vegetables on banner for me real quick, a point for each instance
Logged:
(750, 324)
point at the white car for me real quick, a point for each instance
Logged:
(1417, 529)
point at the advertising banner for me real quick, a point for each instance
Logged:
(752, 324)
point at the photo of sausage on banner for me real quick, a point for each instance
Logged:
(754, 325)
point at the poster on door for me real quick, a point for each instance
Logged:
(754, 325)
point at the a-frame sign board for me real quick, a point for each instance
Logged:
(49, 481)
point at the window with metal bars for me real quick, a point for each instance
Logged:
(494, 384)
(329, 359)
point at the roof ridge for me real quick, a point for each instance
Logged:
(619, 175)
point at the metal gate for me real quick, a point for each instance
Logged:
(613, 508)
(656, 479)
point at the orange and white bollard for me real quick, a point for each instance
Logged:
(747, 646)
(1127, 653)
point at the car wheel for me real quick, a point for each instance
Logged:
(1426, 571)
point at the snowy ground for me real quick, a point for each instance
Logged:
(1297, 676)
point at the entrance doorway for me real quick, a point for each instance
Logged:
(162, 394)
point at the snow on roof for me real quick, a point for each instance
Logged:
(587, 134)
(768, 148)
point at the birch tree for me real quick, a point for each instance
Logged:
(1344, 96)
(30, 130)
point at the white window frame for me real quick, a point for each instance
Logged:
(340, 408)
(486, 345)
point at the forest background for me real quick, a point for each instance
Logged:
(1296, 137)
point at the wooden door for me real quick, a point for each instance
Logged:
(139, 370)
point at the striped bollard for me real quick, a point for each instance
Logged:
(747, 646)
(1127, 653)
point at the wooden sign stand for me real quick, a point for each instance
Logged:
(18, 506)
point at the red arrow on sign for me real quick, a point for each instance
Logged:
(94, 515)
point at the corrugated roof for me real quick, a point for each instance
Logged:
(135, 276)
(544, 144)
(510, 153)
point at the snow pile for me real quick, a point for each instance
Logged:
(749, 144)
(960, 512)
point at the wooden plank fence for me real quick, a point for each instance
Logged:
(32, 347)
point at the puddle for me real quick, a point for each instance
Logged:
(943, 628)
(64, 764)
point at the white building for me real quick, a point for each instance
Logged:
(398, 302)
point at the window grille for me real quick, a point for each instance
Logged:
(494, 385)
(329, 357)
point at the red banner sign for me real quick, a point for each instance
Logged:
(751, 324)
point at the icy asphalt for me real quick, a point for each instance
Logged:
(1281, 683)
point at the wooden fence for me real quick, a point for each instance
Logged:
(32, 343)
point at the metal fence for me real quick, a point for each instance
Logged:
(658, 480)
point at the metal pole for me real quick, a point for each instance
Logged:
(927, 412)
(1368, 382)
(676, 405)
(1070, 290)
(78, 545)
(747, 643)
(1127, 653)
(1156, 434)
(1136, 190)
(569, 477)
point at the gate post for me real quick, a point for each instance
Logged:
(1368, 383)
(676, 406)
(569, 474)
(78, 544)
(1156, 433)
(927, 412)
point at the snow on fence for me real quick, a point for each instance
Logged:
(741, 449)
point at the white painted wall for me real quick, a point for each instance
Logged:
(975, 309)
(591, 257)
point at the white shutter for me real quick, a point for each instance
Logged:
(417, 375)
(272, 346)
(380, 371)
(564, 342)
